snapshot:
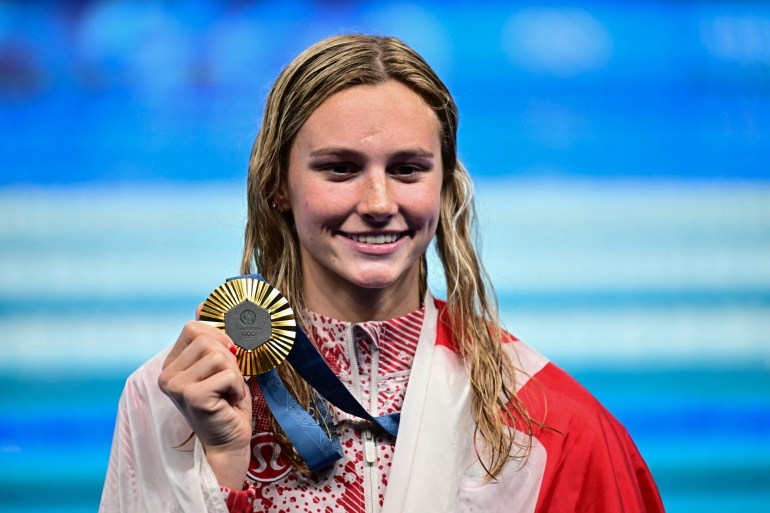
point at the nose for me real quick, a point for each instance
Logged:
(377, 202)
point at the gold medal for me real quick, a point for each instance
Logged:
(257, 318)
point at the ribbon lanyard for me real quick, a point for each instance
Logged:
(315, 440)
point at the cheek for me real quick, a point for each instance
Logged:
(423, 213)
(428, 205)
(433, 209)
(313, 214)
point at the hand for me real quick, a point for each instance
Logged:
(201, 377)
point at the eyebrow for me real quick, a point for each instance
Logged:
(340, 151)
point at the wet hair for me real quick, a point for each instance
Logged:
(271, 243)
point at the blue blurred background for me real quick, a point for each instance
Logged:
(621, 157)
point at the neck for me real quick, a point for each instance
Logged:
(347, 302)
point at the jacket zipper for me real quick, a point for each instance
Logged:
(370, 447)
(367, 433)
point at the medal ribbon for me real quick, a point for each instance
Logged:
(317, 445)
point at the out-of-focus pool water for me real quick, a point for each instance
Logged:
(703, 432)
(655, 296)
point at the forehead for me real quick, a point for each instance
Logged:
(389, 112)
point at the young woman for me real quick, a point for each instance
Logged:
(352, 175)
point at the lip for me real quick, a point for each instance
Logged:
(351, 239)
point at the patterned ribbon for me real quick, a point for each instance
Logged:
(315, 440)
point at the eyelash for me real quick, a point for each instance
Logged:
(349, 169)
(333, 168)
(413, 169)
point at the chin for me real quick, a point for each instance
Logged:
(377, 284)
(375, 281)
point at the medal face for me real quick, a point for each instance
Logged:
(257, 318)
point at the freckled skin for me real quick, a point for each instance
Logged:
(367, 162)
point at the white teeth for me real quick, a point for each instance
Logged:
(375, 239)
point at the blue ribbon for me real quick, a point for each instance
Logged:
(317, 445)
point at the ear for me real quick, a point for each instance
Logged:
(281, 199)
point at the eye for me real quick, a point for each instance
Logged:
(406, 171)
(338, 170)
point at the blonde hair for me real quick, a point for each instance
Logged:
(271, 243)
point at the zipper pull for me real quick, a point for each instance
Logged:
(370, 451)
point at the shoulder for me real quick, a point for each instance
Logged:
(545, 388)
(573, 436)
(557, 398)
(144, 379)
(148, 420)
(143, 402)
(569, 413)
(580, 437)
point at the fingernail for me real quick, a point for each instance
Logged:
(232, 349)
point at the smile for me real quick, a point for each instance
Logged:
(382, 238)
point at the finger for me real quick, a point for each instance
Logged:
(204, 347)
(198, 311)
(191, 331)
(171, 378)
(225, 385)
(219, 409)
(229, 383)
(191, 368)
(185, 388)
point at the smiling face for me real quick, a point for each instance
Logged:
(364, 187)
